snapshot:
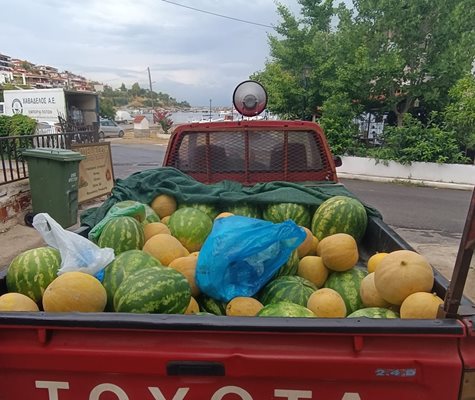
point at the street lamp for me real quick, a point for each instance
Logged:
(306, 71)
(209, 110)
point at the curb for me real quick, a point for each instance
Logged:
(418, 182)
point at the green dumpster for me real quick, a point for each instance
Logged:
(54, 176)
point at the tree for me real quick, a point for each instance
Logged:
(382, 54)
(460, 112)
(106, 108)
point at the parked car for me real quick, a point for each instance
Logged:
(108, 128)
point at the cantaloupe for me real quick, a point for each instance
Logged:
(187, 267)
(164, 205)
(374, 261)
(306, 246)
(327, 303)
(193, 307)
(421, 305)
(223, 215)
(339, 251)
(370, 295)
(165, 248)
(313, 269)
(17, 302)
(402, 273)
(154, 228)
(243, 306)
(75, 292)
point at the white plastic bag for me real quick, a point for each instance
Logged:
(77, 252)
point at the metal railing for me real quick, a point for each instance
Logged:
(13, 166)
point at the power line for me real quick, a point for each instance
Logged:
(218, 15)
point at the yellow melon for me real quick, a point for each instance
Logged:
(339, 252)
(193, 307)
(306, 246)
(74, 292)
(165, 220)
(369, 294)
(243, 307)
(402, 273)
(187, 267)
(165, 248)
(17, 302)
(327, 303)
(313, 269)
(153, 228)
(421, 305)
(313, 249)
(223, 215)
(164, 205)
(374, 261)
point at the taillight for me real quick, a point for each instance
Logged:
(467, 391)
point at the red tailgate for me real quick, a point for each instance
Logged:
(90, 363)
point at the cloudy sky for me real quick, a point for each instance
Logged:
(193, 56)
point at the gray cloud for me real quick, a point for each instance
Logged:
(192, 56)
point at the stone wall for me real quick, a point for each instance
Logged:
(15, 202)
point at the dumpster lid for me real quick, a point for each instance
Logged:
(53, 154)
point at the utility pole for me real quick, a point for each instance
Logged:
(150, 84)
(210, 110)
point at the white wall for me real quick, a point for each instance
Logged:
(418, 171)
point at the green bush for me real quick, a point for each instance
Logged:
(415, 142)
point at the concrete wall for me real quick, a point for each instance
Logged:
(359, 167)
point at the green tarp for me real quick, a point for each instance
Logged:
(146, 185)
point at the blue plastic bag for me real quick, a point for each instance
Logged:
(242, 254)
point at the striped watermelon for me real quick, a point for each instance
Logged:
(293, 289)
(290, 267)
(210, 305)
(285, 309)
(31, 271)
(157, 290)
(373, 312)
(245, 210)
(281, 212)
(209, 209)
(122, 234)
(124, 264)
(191, 227)
(136, 209)
(340, 214)
(347, 284)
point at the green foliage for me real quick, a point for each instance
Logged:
(337, 121)
(460, 113)
(416, 142)
(16, 125)
(106, 108)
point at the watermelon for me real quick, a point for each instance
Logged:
(347, 284)
(124, 264)
(150, 215)
(209, 209)
(340, 214)
(31, 271)
(157, 290)
(135, 209)
(290, 267)
(281, 212)
(245, 210)
(210, 305)
(122, 234)
(293, 289)
(191, 227)
(373, 312)
(285, 309)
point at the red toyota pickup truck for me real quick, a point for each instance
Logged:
(64, 356)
